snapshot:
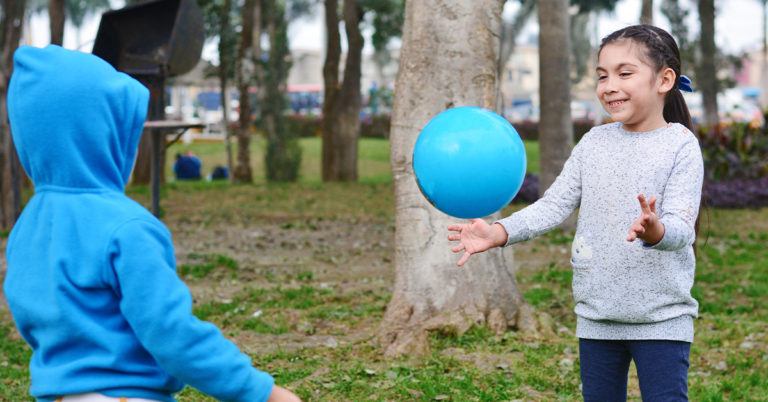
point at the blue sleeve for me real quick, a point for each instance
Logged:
(158, 307)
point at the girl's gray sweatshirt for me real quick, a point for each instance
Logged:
(626, 290)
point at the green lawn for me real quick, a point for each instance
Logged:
(373, 165)
(299, 275)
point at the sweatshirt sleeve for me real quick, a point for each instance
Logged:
(682, 197)
(158, 307)
(557, 204)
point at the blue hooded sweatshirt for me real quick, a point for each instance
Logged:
(91, 279)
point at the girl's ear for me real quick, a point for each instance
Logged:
(667, 80)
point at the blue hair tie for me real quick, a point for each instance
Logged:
(685, 84)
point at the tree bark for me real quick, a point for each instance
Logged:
(555, 124)
(341, 107)
(764, 73)
(448, 58)
(56, 18)
(646, 12)
(224, 61)
(708, 73)
(10, 168)
(250, 42)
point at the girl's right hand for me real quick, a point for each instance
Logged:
(476, 237)
(280, 394)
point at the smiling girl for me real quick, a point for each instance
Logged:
(638, 178)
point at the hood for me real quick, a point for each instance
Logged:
(75, 120)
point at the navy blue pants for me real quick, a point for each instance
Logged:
(662, 368)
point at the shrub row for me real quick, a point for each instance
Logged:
(733, 193)
(378, 127)
(311, 126)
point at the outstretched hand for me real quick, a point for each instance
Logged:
(280, 394)
(647, 227)
(476, 237)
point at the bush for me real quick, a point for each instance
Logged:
(311, 126)
(734, 151)
(736, 193)
(529, 191)
(735, 165)
(529, 130)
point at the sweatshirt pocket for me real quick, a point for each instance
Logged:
(581, 284)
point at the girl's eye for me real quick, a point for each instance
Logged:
(625, 74)
(601, 77)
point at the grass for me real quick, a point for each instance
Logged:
(299, 276)
(373, 154)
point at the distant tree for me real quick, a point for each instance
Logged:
(707, 73)
(764, 71)
(220, 18)
(646, 12)
(283, 155)
(245, 70)
(555, 126)
(342, 99)
(56, 18)
(11, 21)
(444, 43)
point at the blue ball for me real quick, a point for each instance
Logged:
(469, 162)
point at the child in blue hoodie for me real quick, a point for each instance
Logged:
(91, 279)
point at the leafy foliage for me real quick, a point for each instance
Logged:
(735, 151)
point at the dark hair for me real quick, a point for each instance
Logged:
(661, 51)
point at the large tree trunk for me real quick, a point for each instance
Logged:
(341, 107)
(555, 125)
(646, 12)
(10, 170)
(250, 42)
(56, 18)
(708, 73)
(448, 59)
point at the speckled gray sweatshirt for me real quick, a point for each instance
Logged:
(626, 290)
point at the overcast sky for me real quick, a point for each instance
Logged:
(738, 26)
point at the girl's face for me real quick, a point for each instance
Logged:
(629, 89)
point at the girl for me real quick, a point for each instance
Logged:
(641, 174)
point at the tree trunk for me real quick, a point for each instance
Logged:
(708, 73)
(224, 61)
(10, 169)
(555, 125)
(646, 12)
(250, 41)
(509, 32)
(448, 59)
(764, 74)
(341, 107)
(56, 18)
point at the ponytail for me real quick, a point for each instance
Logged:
(676, 110)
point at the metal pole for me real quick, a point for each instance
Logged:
(157, 150)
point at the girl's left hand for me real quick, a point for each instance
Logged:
(647, 227)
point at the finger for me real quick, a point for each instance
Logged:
(458, 248)
(643, 203)
(454, 236)
(463, 259)
(652, 204)
(455, 227)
